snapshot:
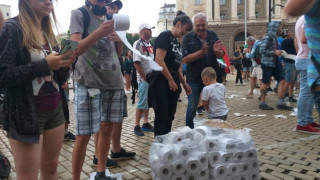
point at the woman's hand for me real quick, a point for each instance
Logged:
(56, 61)
(172, 86)
(187, 88)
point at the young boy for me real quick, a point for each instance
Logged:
(213, 95)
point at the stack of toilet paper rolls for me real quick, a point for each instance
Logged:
(187, 154)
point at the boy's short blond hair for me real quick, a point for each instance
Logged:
(209, 72)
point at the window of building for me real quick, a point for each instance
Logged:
(198, 2)
(222, 15)
(222, 2)
(257, 14)
(7, 14)
(239, 14)
(257, 1)
(239, 1)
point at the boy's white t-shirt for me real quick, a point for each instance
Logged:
(215, 95)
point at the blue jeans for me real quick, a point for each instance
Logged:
(193, 100)
(305, 100)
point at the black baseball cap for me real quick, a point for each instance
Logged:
(117, 2)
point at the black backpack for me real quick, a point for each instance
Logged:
(5, 166)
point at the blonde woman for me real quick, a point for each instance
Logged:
(1, 20)
(29, 73)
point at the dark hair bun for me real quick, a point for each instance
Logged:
(180, 13)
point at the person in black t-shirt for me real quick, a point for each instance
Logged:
(237, 57)
(164, 86)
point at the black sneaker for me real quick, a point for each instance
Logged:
(147, 127)
(291, 99)
(200, 110)
(265, 107)
(109, 164)
(284, 107)
(269, 89)
(123, 154)
(70, 137)
(137, 131)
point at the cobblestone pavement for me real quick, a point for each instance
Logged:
(283, 154)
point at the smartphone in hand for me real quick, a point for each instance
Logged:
(68, 46)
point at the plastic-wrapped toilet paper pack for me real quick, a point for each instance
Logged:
(245, 168)
(204, 174)
(218, 172)
(210, 144)
(192, 176)
(166, 154)
(255, 166)
(204, 130)
(193, 165)
(183, 152)
(173, 138)
(233, 169)
(214, 158)
(203, 160)
(251, 155)
(178, 167)
(162, 171)
(178, 177)
(238, 157)
(226, 157)
(255, 175)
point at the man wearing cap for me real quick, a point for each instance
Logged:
(100, 101)
(144, 46)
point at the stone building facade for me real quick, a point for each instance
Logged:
(166, 17)
(6, 11)
(226, 18)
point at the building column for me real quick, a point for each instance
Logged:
(209, 10)
(234, 10)
(217, 10)
(277, 10)
(252, 9)
(267, 8)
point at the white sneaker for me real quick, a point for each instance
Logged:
(244, 84)
(238, 84)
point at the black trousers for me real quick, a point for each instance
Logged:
(239, 76)
(164, 103)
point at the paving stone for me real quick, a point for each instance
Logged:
(269, 176)
(310, 168)
(274, 168)
(282, 176)
(301, 176)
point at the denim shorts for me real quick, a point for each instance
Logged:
(143, 95)
(290, 72)
(246, 68)
(277, 72)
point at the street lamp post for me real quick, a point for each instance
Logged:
(271, 9)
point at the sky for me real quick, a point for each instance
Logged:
(139, 11)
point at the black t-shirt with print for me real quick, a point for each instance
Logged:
(169, 43)
(237, 61)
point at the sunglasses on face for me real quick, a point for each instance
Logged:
(107, 1)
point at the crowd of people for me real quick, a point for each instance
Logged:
(33, 77)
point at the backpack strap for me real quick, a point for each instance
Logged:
(86, 21)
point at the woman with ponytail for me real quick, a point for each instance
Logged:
(164, 86)
(30, 72)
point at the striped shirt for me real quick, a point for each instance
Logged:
(312, 32)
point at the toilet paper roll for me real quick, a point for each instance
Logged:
(203, 160)
(245, 168)
(204, 174)
(193, 165)
(166, 154)
(190, 135)
(121, 22)
(178, 167)
(178, 177)
(226, 157)
(218, 171)
(255, 175)
(255, 166)
(232, 144)
(238, 157)
(214, 158)
(204, 130)
(192, 176)
(233, 169)
(173, 138)
(183, 152)
(244, 177)
(163, 171)
(210, 145)
(251, 155)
